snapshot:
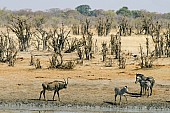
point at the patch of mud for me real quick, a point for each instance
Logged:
(40, 77)
(99, 78)
(163, 86)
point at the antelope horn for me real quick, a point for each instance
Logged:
(65, 81)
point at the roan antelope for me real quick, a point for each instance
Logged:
(55, 86)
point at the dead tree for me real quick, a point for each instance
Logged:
(116, 50)
(57, 58)
(59, 38)
(121, 58)
(167, 41)
(116, 46)
(112, 42)
(139, 27)
(37, 43)
(88, 46)
(53, 61)
(3, 48)
(141, 57)
(108, 25)
(124, 28)
(100, 27)
(22, 29)
(85, 27)
(32, 62)
(103, 27)
(72, 45)
(58, 42)
(146, 60)
(80, 52)
(75, 29)
(167, 46)
(158, 40)
(8, 50)
(118, 53)
(104, 51)
(12, 58)
(147, 26)
(43, 37)
(38, 64)
(122, 62)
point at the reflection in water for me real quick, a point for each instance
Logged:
(71, 110)
(52, 108)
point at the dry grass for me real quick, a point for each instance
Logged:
(90, 83)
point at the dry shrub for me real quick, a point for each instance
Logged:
(32, 62)
(108, 62)
(69, 65)
(38, 64)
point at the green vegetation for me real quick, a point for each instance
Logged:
(84, 9)
(68, 16)
(124, 11)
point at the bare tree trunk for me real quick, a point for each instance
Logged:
(38, 64)
(141, 57)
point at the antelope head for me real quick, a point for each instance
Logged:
(137, 78)
(65, 82)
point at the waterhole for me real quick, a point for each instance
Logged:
(24, 107)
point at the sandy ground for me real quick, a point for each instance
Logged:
(91, 83)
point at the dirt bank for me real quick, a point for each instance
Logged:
(90, 84)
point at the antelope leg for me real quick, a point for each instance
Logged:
(58, 95)
(115, 98)
(125, 97)
(44, 93)
(40, 94)
(54, 94)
